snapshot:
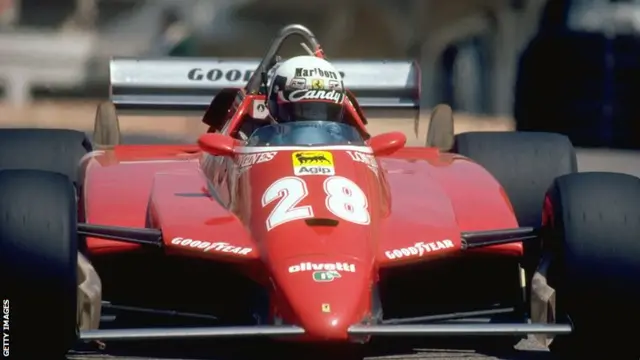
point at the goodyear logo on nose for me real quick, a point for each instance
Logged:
(313, 163)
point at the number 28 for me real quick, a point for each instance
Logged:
(344, 199)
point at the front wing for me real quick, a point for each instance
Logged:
(457, 324)
(278, 331)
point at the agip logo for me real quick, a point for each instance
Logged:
(313, 163)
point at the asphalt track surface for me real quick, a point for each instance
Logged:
(445, 349)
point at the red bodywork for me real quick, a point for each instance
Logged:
(316, 241)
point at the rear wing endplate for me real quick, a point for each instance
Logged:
(189, 84)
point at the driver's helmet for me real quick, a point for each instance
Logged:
(306, 88)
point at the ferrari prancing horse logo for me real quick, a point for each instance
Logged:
(317, 84)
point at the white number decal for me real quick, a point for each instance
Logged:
(345, 200)
(291, 190)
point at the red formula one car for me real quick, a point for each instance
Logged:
(255, 234)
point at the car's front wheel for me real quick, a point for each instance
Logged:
(38, 263)
(592, 236)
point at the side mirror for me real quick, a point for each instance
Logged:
(387, 143)
(217, 144)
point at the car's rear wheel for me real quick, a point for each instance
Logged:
(525, 164)
(56, 150)
(591, 233)
(38, 262)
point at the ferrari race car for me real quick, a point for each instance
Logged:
(481, 234)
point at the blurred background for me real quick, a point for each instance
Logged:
(570, 66)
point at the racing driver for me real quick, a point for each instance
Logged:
(306, 103)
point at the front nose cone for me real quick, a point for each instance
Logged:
(326, 297)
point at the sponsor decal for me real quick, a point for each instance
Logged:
(313, 163)
(302, 72)
(206, 246)
(298, 83)
(260, 110)
(231, 75)
(325, 276)
(253, 159)
(237, 75)
(309, 266)
(305, 95)
(367, 159)
(326, 272)
(317, 84)
(419, 249)
(335, 85)
(314, 170)
(312, 157)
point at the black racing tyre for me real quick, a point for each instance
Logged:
(592, 235)
(106, 129)
(38, 263)
(525, 164)
(56, 150)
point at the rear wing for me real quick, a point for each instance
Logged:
(189, 84)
